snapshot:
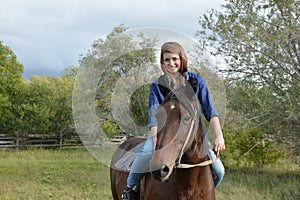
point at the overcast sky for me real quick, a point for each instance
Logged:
(49, 35)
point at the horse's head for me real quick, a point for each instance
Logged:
(178, 133)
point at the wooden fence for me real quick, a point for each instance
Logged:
(22, 141)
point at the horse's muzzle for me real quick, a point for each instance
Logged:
(161, 174)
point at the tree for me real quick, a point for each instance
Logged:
(10, 86)
(139, 105)
(118, 64)
(251, 126)
(260, 43)
(70, 71)
(41, 105)
(44, 105)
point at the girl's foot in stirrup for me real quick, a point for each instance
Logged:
(129, 194)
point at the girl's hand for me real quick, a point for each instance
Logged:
(154, 139)
(219, 145)
(154, 136)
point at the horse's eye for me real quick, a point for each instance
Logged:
(186, 119)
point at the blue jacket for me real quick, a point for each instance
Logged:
(156, 98)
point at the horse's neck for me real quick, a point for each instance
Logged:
(193, 154)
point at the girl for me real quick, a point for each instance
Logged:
(175, 67)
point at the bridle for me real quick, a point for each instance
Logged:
(177, 94)
(178, 164)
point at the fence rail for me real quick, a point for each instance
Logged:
(22, 141)
(26, 141)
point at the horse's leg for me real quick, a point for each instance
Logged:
(119, 178)
(179, 186)
(207, 184)
(142, 188)
(118, 183)
(113, 184)
(156, 190)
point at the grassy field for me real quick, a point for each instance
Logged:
(72, 173)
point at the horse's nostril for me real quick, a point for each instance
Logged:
(164, 171)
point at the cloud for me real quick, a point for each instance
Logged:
(48, 35)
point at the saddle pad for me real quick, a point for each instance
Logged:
(125, 162)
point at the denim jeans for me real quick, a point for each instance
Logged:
(217, 167)
(141, 162)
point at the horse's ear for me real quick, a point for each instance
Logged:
(163, 86)
(161, 117)
(190, 87)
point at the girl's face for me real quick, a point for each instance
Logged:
(171, 62)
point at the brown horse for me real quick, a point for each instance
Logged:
(180, 140)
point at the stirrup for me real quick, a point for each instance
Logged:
(129, 194)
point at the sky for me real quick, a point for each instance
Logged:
(49, 35)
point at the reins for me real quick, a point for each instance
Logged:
(202, 164)
(185, 166)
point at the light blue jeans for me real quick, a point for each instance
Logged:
(140, 165)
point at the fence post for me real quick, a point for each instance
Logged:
(60, 140)
(17, 141)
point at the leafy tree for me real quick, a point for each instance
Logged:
(260, 43)
(61, 105)
(251, 126)
(111, 129)
(116, 58)
(44, 105)
(10, 86)
(10, 71)
(41, 105)
(139, 105)
(6, 113)
(70, 71)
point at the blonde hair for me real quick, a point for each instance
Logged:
(176, 48)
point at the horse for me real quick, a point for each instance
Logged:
(179, 140)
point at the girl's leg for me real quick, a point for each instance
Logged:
(140, 163)
(218, 169)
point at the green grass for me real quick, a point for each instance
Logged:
(73, 173)
(52, 174)
(259, 184)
